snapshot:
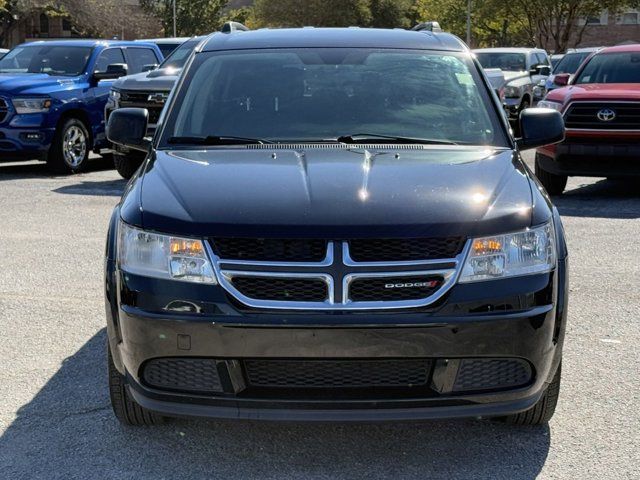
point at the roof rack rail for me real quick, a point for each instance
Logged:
(229, 27)
(427, 26)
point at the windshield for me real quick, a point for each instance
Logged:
(180, 55)
(325, 94)
(52, 60)
(570, 62)
(621, 67)
(510, 62)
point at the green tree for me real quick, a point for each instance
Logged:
(318, 13)
(193, 17)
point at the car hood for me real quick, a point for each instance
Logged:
(332, 193)
(597, 91)
(37, 83)
(161, 80)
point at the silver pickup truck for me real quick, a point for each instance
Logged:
(520, 70)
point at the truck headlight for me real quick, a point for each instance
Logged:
(163, 256)
(510, 255)
(511, 92)
(549, 104)
(114, 95)
(31, 105)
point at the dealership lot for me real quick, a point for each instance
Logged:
(56, 421)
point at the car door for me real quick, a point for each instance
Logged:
(100, 94)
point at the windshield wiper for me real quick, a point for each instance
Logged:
(216, 140)
(368, 137)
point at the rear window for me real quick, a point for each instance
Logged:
(322, 94)
(612, 68)
(510, 62)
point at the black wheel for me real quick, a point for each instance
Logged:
(69, 150)
(125, 408)
(126, 165)
(542, 411)
(553, 184)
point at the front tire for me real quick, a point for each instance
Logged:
(553, 184)
(69, 150)
(543, 410)
(125, 408)
(127, 165)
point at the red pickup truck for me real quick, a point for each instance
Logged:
(601, 109)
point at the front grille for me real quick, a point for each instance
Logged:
(492, 374)
(270, 249)
(337, 373)
(182, 374)
(141, 100)
(4, 110)
(392, 289)
(585, 115)
(294, 289)
(404, 249)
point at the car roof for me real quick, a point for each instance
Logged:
(634, 47)
(87, 43)
(354, 37)
(508, 50)
(164, 40)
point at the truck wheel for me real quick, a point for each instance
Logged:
(126, 165)
(542, 411)
(553, 184)
(69, 150)
(125, 408)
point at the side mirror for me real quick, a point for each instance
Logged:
(544, 70)
(115, 70)
(128, 127)
(540, 126)
(562, 79)
(150, 67)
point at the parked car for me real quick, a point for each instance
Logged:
(3, 52)
(166, 45)
(569, 64)
(52, 97)
(601, 109)
(555, 59)
(523, 69)
(334, 224)
(148, 90)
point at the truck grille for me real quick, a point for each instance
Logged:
(129, 98)
(4, 110)
(316, 274)
(337, 373)
(282, 289)
(584, 115)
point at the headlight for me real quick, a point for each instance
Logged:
(511, 255)
(549, 104)
(163, 256)
(511, 92)
(31, 105)
(114, 95)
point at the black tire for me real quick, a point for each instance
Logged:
(64, 158)
(553, 184)
(542, 411)
(124, 407)
(128, 164)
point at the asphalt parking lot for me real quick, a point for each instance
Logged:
(56, 420)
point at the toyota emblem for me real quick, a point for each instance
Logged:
(606, 115)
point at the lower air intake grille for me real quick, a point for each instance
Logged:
(282, 289)
(337, 373)
(492, 374)
(270, 249)
(182, 374)
(404, 249)
(390, 289)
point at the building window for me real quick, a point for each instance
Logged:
(44, 25)
(593, 20)
(629, 18)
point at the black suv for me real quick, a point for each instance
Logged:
(334, 224)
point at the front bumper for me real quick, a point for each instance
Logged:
(594, 153)
(522, 322)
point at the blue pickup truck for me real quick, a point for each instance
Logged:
(53, 94)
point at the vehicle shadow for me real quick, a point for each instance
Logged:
(37, 169)
(112, 188)
(602, 199)
(68, 431)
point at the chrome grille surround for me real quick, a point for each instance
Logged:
(337, 270)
